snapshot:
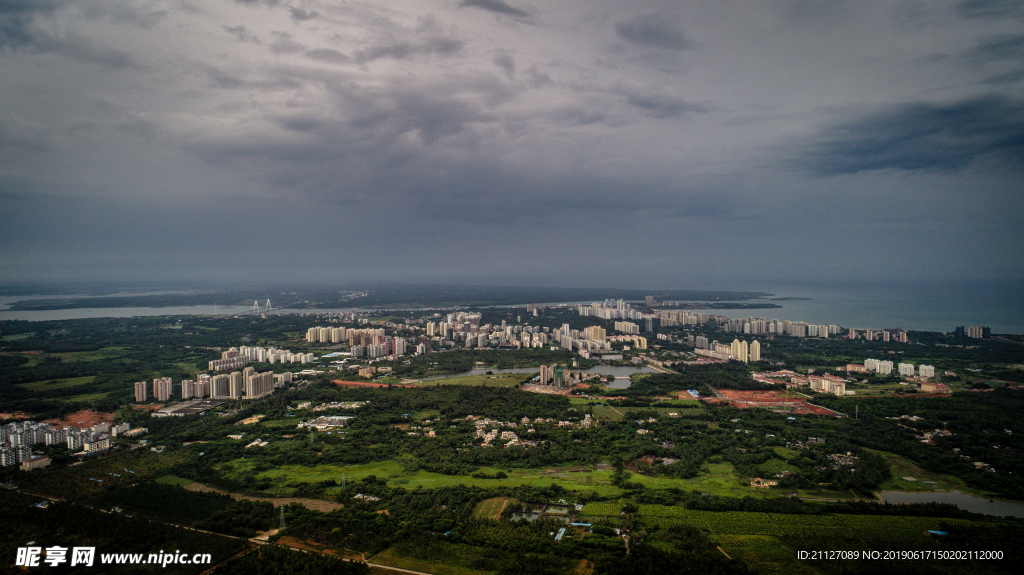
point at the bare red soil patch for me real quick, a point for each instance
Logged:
(14, 415)
(795, 404)
(84, 418)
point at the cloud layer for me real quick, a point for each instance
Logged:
(692, 143)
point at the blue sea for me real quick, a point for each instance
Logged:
(909, 305)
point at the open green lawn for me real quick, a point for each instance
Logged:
(292, 422)
(426, 414)
(720, 479)
(786, 453)
(902, 467)
(609, 413)
(49, 384)
(17, 336)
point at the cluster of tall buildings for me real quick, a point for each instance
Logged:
(976, 331)
(162, 389)
(610, 309)
(244, 384)
(886, 367)
(739, 350)
(907, 369)
(238, 357)
(17, 439)
(827, 384)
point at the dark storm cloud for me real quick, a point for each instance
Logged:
(923, 137)
(820, 11)
(328, 55)
(991, 9)
(536, 78)
(655, 31)
(999, 48)
(493, 6)
(665, 106)
(580, 115)
(405, 50)
(141, 16)
(223, 80)
(241, 34)
(16, 18)
(19, 32)
(299, 123)
(18, 133)
(137, 125)
(1007, 78)
(506, 63)
(299, 15)
(284, 44)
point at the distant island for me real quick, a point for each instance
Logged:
(389, 295)
(789, 299)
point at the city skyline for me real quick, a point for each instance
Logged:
(522, 143)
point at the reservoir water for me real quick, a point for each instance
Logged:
(971, 503)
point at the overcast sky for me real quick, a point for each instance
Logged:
(645, 143)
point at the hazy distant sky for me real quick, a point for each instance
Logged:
(674, 143)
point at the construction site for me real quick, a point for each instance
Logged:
(775, 400)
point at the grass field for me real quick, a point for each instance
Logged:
(277, 423)
(721, 479)
(795, 526)
(57, 383)
(492, 508)
(902, 467)
(426, 414)
(608, 413)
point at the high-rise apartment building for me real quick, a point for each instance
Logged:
(236, 384)
(162, 388)
(740, 350)
(220, 386)
(140, 391)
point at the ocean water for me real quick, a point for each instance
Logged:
(919, 305)
(910, 305)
